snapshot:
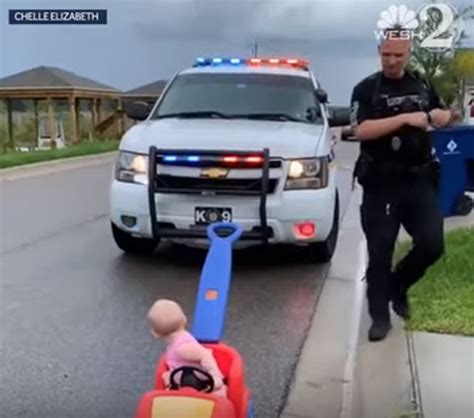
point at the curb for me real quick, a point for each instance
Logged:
(416, 391)
(53, 166)
(323, 382)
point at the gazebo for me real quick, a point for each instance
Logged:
(52, 83)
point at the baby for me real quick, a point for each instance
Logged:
(168, 321)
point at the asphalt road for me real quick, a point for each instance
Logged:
(74, 342)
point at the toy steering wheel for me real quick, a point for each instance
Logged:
(192, 377)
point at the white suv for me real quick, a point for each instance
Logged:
(241, 140)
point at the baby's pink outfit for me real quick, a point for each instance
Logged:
(174, 360)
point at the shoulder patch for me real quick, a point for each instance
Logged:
(354, 112)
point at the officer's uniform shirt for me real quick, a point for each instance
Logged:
(378, 96)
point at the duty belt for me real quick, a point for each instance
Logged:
(368, 171)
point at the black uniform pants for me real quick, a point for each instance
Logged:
(384, 209)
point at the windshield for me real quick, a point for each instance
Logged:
(240, 95)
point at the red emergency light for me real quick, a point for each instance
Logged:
(243, 160)
(279, 62)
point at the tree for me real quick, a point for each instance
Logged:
(442, 67)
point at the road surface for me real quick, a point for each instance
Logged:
(74, 341)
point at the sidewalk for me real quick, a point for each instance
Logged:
(408, 375)
(443, 365)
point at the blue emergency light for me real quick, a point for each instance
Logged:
(203, 62)
(173, 158)
(170, 158)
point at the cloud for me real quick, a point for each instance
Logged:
(244, 21)
(302, 21)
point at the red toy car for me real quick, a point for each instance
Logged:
(188, 402)
(191, 397)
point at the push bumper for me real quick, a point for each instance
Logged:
(156, 156)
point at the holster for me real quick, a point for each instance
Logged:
(363, 169)
(429, 171)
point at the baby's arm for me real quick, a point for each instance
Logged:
(166, 378)
(198, 353)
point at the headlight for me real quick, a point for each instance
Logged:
(132, 168)
(307, 174)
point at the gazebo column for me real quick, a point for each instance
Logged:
(35, 107)
(77, 106)
(73, 116)
(99, 110)
(11, 143)
(51, 123)
(119, 118)
(95, 120)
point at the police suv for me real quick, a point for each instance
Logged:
(241, 140)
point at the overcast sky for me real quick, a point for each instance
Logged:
(146, 40)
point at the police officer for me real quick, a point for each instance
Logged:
(392, 112)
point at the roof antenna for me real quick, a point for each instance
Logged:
(255, 49)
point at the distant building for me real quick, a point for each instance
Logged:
(149, 92)
(65, 94)
(467, 84)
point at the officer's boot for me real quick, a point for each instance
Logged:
(401, 306)
(380, 314)
(399, 298)
(379, 329)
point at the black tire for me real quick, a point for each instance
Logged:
(324, 250)
(132, 245)
(464, 205)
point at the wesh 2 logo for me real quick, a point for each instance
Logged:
(440, 34)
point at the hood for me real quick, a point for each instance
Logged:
(284, 139)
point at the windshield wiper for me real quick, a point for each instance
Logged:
(195, 114)
(269, 116)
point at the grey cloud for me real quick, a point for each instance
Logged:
(277, 20)
(239, 22)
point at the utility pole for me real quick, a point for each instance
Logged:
(255, 49)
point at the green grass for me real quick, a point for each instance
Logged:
(13, 158)
(443, 300)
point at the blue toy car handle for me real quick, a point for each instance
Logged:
(214, 285)
(213, 228)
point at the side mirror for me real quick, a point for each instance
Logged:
(339, 117)
(322, 96)
(137, 110)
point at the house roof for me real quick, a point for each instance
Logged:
(44, 77)
(153, 89)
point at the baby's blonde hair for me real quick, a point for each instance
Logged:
(166, 317)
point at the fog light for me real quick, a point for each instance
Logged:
(129, 221)
(305, 230)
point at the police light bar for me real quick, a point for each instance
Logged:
(253, 62)
(250, 160)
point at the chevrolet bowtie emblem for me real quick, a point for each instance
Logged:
(214, 173)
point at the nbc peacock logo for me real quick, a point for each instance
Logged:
(400, 16)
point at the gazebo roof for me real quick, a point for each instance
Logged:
(45, 79)
(153, 89)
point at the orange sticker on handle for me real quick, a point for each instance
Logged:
(211, 294)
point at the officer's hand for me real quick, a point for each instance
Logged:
(416, 119)
(441, 118)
